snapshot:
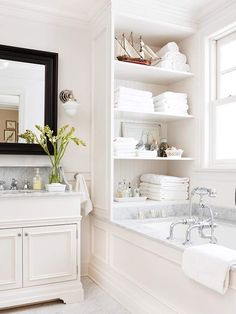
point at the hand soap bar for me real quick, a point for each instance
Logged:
(37, 181)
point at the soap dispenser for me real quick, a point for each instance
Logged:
(37, 181)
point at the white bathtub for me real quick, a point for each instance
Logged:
(159, 229)
(138, 264)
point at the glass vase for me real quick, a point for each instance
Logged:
(55, 174)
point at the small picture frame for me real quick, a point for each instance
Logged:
(10, 125)
(10, 136)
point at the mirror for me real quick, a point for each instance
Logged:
(28, 96)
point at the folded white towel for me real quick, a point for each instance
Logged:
(161, 188)
(132, 98)
(159, 179)
(81, 186)
(171, 46)
(160, 197)
(174, 57)
(124, 140)
(146, 104)
(121, 90)
(171, 102)
(171, 96)
(209, 265)
(137, 109)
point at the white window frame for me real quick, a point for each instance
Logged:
(214, 101)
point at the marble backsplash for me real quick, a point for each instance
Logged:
(169, 209)
(21, 174)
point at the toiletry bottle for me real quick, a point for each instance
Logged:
(130, 190)
(37, 181)
(162, 149)
(119, 190)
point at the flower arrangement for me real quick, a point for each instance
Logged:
(59, 143)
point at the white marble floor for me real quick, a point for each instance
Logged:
(96, 302)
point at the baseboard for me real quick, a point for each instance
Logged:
(135, 300)
(84, 269)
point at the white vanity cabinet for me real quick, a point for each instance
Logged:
(40, 249)
(49, 254)
(10, 259)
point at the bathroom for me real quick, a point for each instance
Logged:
(92, 225)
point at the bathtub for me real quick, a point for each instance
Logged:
(139, 265)
(159, 229)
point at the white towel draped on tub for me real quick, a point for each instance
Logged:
(81, 186)
(209, 265)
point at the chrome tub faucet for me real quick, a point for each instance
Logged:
(200, 223)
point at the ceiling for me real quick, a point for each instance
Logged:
(84, 9)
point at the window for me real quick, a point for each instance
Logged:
(223, 102)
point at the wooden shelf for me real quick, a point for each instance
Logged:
(147, 74)
(156, 158)
(149, 116)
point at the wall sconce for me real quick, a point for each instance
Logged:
(70, 104)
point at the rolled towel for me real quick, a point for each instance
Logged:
(214, 269)
(180, 67)
(174, 57)
(165, 64)
(159, 179)
(170, 95)
(171, 46)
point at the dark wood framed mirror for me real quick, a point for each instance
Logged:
(28, 96)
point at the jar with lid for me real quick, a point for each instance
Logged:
(163, 146)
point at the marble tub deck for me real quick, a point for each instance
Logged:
(96, 301)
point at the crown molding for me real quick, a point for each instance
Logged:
(46, 15)
(216, 11)
(156, 9)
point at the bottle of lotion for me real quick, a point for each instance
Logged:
(37, 181)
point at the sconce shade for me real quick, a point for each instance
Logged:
(70, 104)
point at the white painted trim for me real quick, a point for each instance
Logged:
(126, 293)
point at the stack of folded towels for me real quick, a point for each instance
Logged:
(171, 58)
(130, 99)
(170, 102)
(124, 147)
(159, 187)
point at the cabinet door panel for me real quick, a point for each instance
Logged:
(50, 254)
(10, 259)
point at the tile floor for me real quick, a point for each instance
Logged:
(96, 302)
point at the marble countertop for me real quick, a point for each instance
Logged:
(32, 193)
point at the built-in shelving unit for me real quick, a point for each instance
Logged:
(109, 121)
(149, 116)
(147, 74)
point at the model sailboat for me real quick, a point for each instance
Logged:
(127, 51)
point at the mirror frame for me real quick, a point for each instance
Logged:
(50, 60)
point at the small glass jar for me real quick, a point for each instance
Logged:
(162, 149)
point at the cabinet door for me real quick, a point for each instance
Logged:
(49, 254)
(10, 259)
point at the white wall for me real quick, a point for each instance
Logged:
(73, 46)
